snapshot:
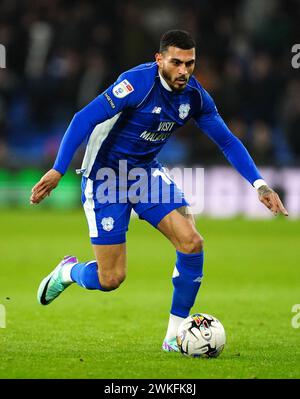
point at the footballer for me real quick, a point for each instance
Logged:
(125, 127)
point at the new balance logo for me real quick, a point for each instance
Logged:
(198, 279)
(156, 110)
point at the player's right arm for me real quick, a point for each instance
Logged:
(80, 127)
(120, 95)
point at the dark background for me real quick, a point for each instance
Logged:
(61, 54)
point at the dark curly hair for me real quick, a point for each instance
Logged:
(177, 38)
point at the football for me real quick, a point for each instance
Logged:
(201, 335)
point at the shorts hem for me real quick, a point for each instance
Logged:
(109, 240)
(154, 218)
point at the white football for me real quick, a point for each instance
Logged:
(201, 335)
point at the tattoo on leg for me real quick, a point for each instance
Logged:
(185, 212)
(182, 210)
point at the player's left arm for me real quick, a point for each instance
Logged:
(271, 200)
(212, 124)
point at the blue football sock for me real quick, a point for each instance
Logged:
(186, 280)
(85, 275)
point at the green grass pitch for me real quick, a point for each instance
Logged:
(251, 283)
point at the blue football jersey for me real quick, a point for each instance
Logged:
(142, 114)
(134, 118)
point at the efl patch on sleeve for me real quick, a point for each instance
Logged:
(123, 89)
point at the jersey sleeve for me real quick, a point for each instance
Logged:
(212, 124)
(126, 92)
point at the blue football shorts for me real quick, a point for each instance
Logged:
(108, 203)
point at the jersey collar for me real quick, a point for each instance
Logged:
(164, 83)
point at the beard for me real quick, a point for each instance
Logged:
(168, 79)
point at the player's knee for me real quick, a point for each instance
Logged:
(193, 244)
(112, 281)
(196, 243)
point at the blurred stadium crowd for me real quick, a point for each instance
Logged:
(61, 54)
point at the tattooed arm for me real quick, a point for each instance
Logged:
(271, 200)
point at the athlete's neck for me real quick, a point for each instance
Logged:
(164, 83)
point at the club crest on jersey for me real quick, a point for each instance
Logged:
(184, 110)
(122, 89)
(107, 223)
